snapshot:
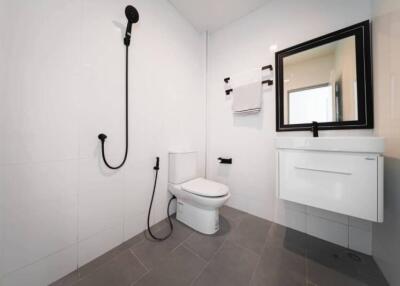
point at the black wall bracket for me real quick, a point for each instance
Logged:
(269, 82)
(225, 160)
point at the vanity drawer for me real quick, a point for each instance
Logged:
(346, 183)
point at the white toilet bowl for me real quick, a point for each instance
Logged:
(198, 199)
(198, 203)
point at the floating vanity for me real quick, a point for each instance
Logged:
(339, 174)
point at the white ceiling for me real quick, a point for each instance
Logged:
(209, 15)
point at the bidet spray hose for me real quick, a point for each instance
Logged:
(157, 168)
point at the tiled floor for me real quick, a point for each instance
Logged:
(246, 251)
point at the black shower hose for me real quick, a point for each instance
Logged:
(103, 137)
(156, 168)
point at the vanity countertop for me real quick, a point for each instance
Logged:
(333, 144)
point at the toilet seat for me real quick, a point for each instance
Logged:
(205, 188)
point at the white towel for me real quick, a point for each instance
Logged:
(247, 98)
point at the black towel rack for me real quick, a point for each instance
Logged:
(267, 81)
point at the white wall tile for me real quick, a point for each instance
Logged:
(360, 224)
(98, 244)
(293, 206)
(340, 218)
(44, 271)
(39, 203)
(386, 43)
(360, 240)
(101, 198)
(328, 230)
(2, 216)
(42, 81)
(292, 219)
(134, 224)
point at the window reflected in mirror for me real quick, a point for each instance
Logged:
(320, 84)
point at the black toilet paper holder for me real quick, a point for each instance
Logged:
(225, 160)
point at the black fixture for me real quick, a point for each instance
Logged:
(314, 129)
(268, 67)
(364, 119)
(267, 81)
(133, 17)
(228, 91)
(225, 160)
(157, 168)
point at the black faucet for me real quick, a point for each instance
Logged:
(314, 129)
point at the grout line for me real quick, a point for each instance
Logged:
(38, 260)
(194, 253)
(217, 251)
(201, 272)
(262, 251)
(140, 278)
(181, 243)
(206, 105)
(307, 268)
(140, 261)
(78, 199)
(244, 247)
(348, 232)
(38, 162)
(255, 268)
(208, 263)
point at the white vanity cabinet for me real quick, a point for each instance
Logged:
(343, 175)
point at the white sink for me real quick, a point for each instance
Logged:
(334, 144)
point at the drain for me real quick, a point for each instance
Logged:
(354, 257)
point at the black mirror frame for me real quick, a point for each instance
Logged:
(364, 79)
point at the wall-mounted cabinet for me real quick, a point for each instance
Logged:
(343, 175)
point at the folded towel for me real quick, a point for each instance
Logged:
(247, 98)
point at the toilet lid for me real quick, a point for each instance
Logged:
(206, 188)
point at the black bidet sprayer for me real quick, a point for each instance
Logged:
(133, 17)
(156, 168)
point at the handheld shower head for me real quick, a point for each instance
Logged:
(131, 14)
(133, 17)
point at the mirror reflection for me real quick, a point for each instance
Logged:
(320, 84)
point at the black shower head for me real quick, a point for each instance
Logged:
(133, 17)
(132, 14)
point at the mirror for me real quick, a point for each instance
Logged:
(327, 80)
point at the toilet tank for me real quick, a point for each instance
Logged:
(182, 167)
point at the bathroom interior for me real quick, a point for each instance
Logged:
(187, 142)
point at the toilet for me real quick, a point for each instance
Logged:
(198, 199)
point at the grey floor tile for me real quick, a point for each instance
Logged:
(322, 275)
(179, 269)
(287, 238)
(279, 266)
(246, 250)
(93, 265)
(96, 263)
(231, 213)
(206, 245)
(367, 269)
(330, 264)
(67, 280)
(233, 265)
(131, 242)
(122, 270)
(251, 233)
(151, 252)
(331, 256)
